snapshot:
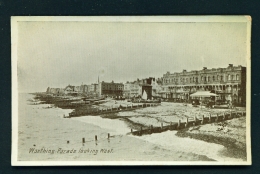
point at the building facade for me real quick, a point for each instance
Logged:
(136, 88)
(111, 88)
(156, 87)
(229, 83)
(93, 88)
(131, 89)
(84, 88)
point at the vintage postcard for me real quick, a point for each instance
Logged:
(131, 90)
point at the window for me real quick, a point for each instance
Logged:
(213, 78)
(205, 79)
(237, 77)
(187, 80)
(221, 78)
(229, 77)
(201, 78)
(193, 79)
(217, 77)
(232, 77)
(196, 79)
(208, 78)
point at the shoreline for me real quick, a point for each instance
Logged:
(33, 133)
(144, 117)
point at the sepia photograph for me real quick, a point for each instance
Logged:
(131, 90)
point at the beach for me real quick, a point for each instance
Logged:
(44, 135)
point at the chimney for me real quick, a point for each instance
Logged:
(204, 68)
(184, 71)
(230, 65)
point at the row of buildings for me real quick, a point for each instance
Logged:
(70, 89)
(229, 83)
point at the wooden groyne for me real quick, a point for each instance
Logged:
(96, 111)
(189, 122)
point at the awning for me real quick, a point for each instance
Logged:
(203, 94)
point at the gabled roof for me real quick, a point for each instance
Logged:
(69, 86)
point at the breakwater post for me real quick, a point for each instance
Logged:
(224, 116)
(83, 140)
(161, 125)
(141, 130)
(202, 121)
(95, 137)
(231, 114)
(209, 118)
(187, 122)
(68, 142)
(151, 128)
(131, 130)
(108, 136)
(195, 119)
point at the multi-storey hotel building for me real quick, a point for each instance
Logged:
(229, 83)
(111, 88)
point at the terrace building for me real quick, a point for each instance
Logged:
(110, 88)
(229, 83)
(93, 88)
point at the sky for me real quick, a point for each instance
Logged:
(55, 54)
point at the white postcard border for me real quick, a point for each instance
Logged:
(14, 37)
